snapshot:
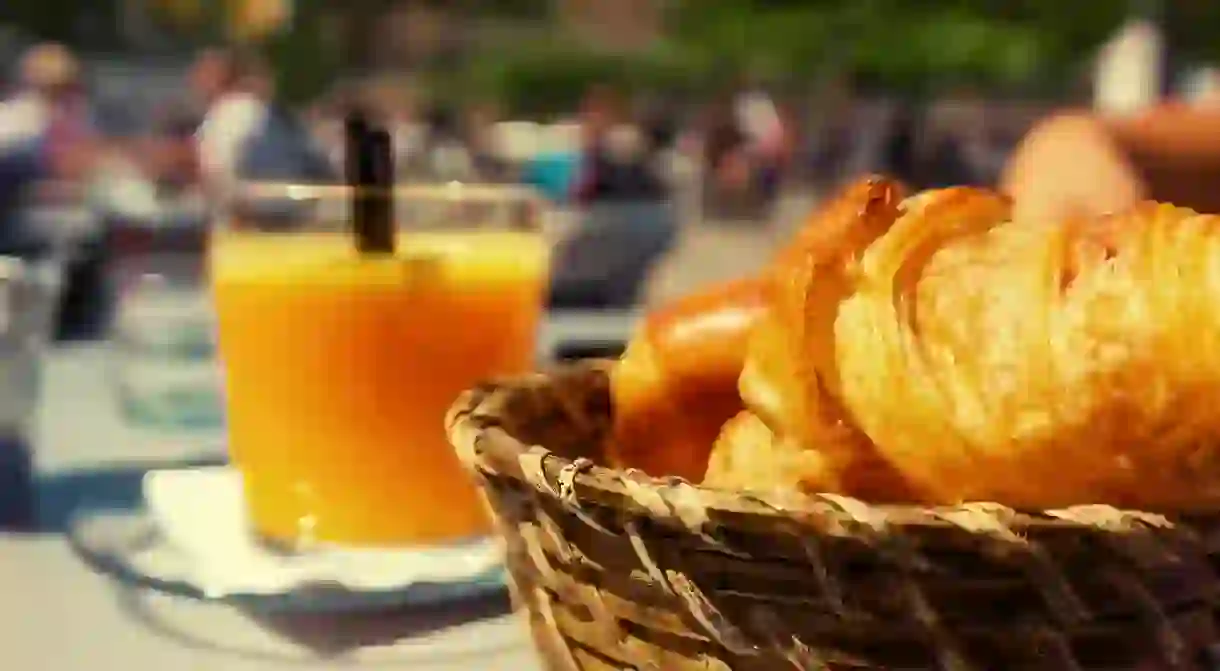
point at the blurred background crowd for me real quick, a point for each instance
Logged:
(655, 126)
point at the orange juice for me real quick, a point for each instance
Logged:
(339, 370)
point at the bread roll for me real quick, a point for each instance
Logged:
(676, 384)
(677, 381)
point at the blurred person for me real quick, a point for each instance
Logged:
(867, 147)
(900, 145)
(444, 149)
(765, 132)
(162, 175)
(245, 134)
(661, 131)
(554, 159)
(479, 130)
(628, 219)
(46, 137)
(160, 165)
(51, 155)
(173, 159)
(746, 148)
(49, 89)
(284, 150)
(953, 130)
(231, 87)
(1130, 68)
(325, 121)
(616, 159)
(980, 145)
(724, 146)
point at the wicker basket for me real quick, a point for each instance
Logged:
(621, 571)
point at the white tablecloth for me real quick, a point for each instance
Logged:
(57, 615)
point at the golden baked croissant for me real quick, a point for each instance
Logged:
(677, 381)
(960, 356)
(1042, 365)
(789, 380)
(676, 384)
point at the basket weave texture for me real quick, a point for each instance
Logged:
(621, 571)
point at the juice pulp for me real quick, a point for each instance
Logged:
(339, 370)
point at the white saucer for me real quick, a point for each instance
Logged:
(192, 539)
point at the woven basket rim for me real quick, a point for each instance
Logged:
(649, 571)
(474, 429)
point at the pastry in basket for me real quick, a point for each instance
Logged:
(791, 378)
(676, 385)
(931, 350)
(913, 352)
(1040, 364)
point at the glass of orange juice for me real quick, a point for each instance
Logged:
(339, 367)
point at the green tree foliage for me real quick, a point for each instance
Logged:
(768, 41)
(89, 25)
(551, 76)
(1194, 25)
(899, 42)
(304, 60)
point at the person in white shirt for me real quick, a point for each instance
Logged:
(763, 126)
(49, 103)
(759, 120)
(45, 74)
(233, 88)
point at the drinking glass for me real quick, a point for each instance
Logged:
(163, 364)
(339, 367)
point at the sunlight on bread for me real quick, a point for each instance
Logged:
(931, 350)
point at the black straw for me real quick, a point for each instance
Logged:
(382, 148)
(370, 175)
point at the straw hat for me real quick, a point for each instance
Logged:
(47, 66)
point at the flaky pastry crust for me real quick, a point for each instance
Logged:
(934, 351)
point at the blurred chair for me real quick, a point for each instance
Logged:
(629, 221)
(606, 262)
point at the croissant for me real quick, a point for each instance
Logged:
(935, 351)
(1042, 365)
(789, 378)
(676, 384)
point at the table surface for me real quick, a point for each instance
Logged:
(56, 614)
